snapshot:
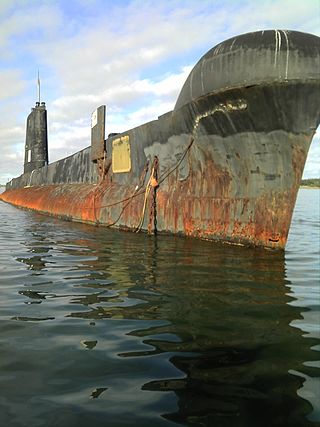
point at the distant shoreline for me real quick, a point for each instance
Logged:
(310, 183)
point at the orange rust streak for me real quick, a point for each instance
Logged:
(265, 220)
(74, 201)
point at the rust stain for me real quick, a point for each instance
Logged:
(179, 211)
(65, 201)
(203, 206)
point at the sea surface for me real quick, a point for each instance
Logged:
(106, 328)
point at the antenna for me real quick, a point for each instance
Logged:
(38, 87)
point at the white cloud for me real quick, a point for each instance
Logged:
(31, 21)
(12, 153)
(119, 96)
(132, 56)
(67, 140)
(312, 166)
(11, 84)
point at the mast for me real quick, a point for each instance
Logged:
(38, 87)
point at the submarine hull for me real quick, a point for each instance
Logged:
(225, 164)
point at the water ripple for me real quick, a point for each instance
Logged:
(103, 325)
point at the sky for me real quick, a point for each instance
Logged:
(133, 56)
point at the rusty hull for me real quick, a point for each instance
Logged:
(230, 155)
(204, 205)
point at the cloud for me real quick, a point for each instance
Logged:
(121, 95)
(286, 14)
(25, 23)
(133, 56)
(11, 84)
(10, 156)
(67, 139)
(312, 167)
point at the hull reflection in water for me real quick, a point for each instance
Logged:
(229, 333)
(107, 328)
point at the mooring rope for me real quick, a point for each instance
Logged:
(145, 190)
(152, 184)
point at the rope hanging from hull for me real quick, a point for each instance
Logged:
(153, 183)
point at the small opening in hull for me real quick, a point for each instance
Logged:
(274, 240)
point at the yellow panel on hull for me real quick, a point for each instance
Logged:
(121, 156)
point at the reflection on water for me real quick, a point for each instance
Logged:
(303, 271)
(100, 327)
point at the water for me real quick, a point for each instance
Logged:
(107, 328)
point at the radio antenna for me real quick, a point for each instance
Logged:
(38, 86)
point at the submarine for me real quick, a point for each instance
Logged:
(224, 165)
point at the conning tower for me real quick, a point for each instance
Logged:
(36, 148)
